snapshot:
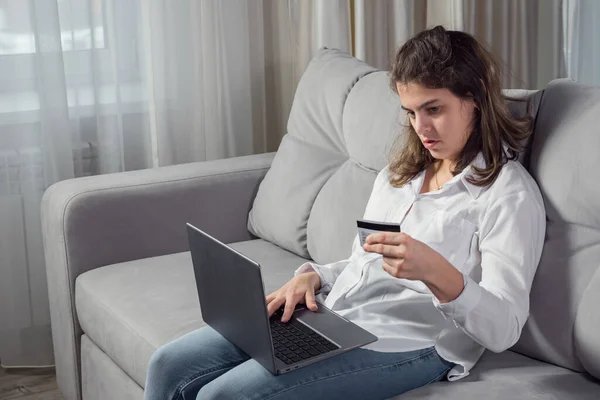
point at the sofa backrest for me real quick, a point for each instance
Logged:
(345, 122)
(564, 322)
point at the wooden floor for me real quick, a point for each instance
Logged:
(29, 384)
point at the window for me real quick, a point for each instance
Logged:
(16, 33)
(81, 23)
(92, 67)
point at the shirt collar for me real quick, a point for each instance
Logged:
(473, 190)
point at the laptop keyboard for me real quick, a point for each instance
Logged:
(294, 341)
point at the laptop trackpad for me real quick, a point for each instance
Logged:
(336, 328)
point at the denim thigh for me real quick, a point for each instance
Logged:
(204, 365)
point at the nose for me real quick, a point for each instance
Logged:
(422, 124)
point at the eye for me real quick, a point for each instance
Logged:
(433, 110)
(411, 114)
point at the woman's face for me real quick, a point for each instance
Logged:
(442, 121)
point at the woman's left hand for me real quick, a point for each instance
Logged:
(403, 256)
(408, 258)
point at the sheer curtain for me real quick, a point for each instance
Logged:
(582, 50)
(294, 31)
(204, 63)
(99, 86)
(525, 34)
(38, 146)
(229, 69)
(536, 40)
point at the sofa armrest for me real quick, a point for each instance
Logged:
(101, 220)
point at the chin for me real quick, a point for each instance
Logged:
(438, 155)
(442, 155)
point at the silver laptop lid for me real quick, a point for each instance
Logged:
(232, 298)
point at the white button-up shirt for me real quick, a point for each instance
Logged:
(493, 235)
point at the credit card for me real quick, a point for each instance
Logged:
(366, 227)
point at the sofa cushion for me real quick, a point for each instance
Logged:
(529, 106)
(510, 375)
(564, 162)
(332, 221)
(130, 309)
(373, 121)
(101, 378)
(372, 125)
(315, 136)
(288, 191)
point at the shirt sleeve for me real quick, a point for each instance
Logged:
(330, 272)
(494, 311)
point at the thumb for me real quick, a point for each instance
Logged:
(310, 300)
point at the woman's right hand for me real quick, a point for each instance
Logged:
(299, 289)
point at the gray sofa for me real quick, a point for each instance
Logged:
(120, 277)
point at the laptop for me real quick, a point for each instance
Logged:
(232, 301)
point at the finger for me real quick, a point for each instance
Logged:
(393, 251)
(290, 305)
(392, 262)
(311, 303)
(385, 237)
(274, 305)
(396, 269)
(392, 271)
(271, 297)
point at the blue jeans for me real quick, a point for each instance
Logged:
(204, 365)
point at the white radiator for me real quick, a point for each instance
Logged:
(22, 170)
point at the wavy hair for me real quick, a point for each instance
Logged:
(441, 59)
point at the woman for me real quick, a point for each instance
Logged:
(454, 282)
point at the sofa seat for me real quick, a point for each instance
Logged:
(130, 309)
(509, 375)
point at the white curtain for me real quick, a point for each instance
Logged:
(536, 40)
(381, 27)
(526, 35)
(582, 49)
(98, 86)
(294, 31)
(205, 67)
(36, 149)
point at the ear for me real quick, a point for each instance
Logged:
(475, 103)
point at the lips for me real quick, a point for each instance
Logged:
(428, 143)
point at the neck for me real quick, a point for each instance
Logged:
(444, 166)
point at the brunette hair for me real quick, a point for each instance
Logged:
(439, 58)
